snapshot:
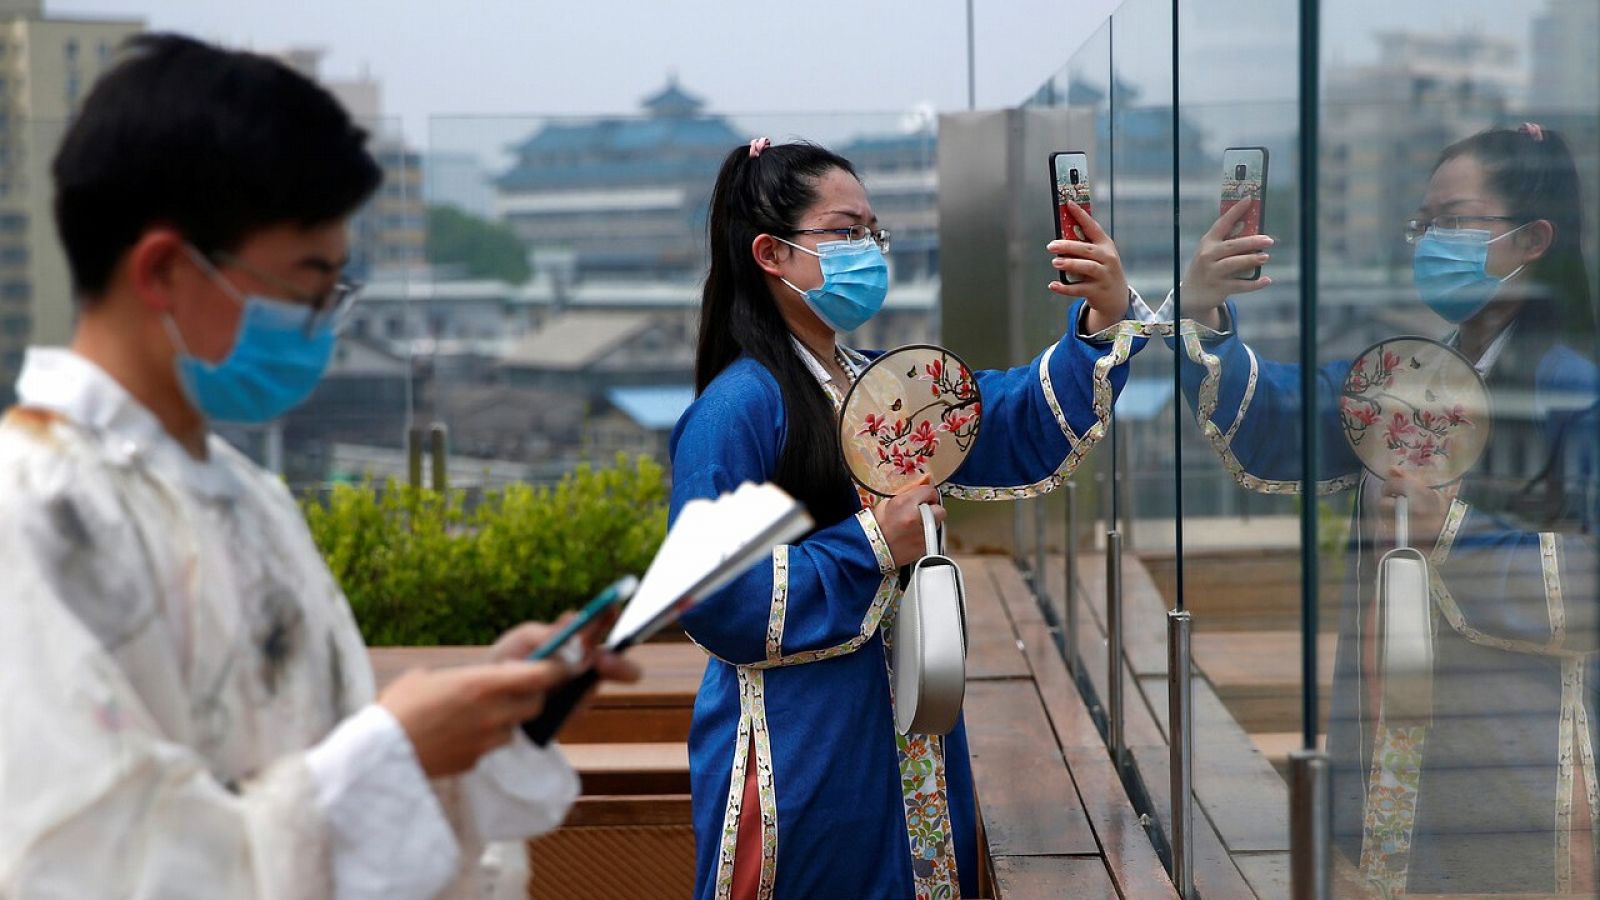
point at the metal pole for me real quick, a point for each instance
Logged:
(414, 457)
(1309, 801)
(1041, 588)
(1310, 826)
(1069, 615)
(972, 70)
(272, 447)
(441, 459)
(1180, 716)
(1114, 645)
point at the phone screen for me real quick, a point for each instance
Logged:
(1069, 172)
(1244, 181)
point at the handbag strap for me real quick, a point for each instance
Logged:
(930, 531)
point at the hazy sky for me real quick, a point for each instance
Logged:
(532, 57)
(594, 56)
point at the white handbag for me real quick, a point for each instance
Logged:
(930, 641)
(1405, 629)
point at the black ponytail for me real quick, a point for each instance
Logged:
(740, 317)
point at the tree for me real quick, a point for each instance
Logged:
(478, 247)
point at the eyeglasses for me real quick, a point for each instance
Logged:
(1416, 228)
(879, 236)
(332, 305)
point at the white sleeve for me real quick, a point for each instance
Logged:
(520, 790)
(390, 837)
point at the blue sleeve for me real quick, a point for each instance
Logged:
(1249, 409)
(811, 600)
(1501, 585)
(1041, 419)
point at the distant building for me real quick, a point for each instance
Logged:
(1565, 57)
(390, 232)
(621, 195)
(458, 180)
(47, 65)
(1385, 124)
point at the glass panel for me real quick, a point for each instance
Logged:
(1463, 763)
(1238, 563)
(1083, 87)
(353, 426)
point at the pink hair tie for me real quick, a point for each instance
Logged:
(1532, 130)
(758, 145)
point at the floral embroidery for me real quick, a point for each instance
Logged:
(752, 686)
(1210, 386)
(925, 802)
(906, 434)
(1566, 759)
(1550, 564)
(887, 597)
(1391, 806)
(780, 602)
(1417, 437)
(880, 544)
(730, 813)
(1121, 336)
(1447, 533)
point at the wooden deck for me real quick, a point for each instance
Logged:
(1055, 819)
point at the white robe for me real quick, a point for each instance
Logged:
(185, 701)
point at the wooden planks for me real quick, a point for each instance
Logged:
(1052, 878)
(1026, 797)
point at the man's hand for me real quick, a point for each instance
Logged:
(1095, 262)
(455, 716)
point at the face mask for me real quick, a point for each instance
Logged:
(1451, 274)
(274, 364)
(855, 281)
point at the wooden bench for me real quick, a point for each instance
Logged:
(629, 746)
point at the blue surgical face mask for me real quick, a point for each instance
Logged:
(1450, 268)
(275, 363)
(855, 282)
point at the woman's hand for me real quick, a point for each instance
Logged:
(1101, 282)
(1427, 506)
(1218, 262)
(901, 521)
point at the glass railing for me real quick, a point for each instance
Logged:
(1455, 684)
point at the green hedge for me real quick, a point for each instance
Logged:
(422, 568)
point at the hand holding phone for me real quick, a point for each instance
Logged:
(560, 702)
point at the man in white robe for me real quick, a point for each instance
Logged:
(188, 709)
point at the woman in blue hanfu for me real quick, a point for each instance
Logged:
(1492, 787)
(801, 786)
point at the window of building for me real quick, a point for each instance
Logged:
(71, 49)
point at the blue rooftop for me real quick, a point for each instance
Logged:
(654, 408)
(1144, 398)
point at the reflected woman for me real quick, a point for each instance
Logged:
(801, 786)
(1496, 791)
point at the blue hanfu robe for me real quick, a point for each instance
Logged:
(798, 668)
(1481, 798)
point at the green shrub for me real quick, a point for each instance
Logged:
(422, 568)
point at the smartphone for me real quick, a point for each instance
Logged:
(1069, 177)
(1244, 180)
(614, 595)
(565, 698)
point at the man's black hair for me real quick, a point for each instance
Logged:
(217, 144)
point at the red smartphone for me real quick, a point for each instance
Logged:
(1069, 176)
(1244, 180)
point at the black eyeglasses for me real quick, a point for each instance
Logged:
(880, 236)
(1416, 228)
(332, 305)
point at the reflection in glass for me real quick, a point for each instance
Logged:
(1475, 774)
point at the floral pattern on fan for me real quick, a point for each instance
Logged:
(1415, 404)
(914, 412)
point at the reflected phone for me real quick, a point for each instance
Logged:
(1069, 178)
(1244, 180)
